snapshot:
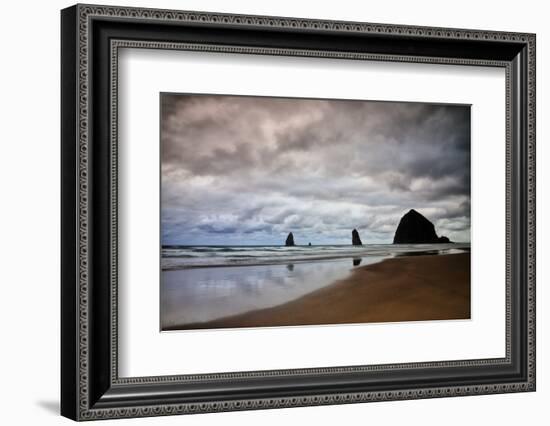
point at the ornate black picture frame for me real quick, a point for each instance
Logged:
(90, 38)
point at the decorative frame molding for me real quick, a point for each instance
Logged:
(91, 37)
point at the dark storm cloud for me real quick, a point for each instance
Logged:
(248, 170)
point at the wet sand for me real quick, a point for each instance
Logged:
(415, 288)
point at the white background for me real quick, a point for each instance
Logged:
(146, 352)
(29, 225)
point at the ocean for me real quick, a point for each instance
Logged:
(182, 257)
(204, 283)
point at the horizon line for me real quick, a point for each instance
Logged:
(304, 245)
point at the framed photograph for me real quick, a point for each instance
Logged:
(263, 212)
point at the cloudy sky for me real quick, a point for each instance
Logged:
(249, 170)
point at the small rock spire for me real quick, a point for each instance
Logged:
(289, 240)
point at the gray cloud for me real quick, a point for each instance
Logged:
(248, 170)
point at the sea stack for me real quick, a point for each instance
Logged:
(289, 240)
(414, 228)
(355, 240)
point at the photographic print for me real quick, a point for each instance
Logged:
(293, 211)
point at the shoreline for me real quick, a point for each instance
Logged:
(407, 288)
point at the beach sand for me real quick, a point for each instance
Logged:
(415, 288)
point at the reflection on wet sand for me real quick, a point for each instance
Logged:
(204, 294)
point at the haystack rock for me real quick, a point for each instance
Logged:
(416, 229)
(289, 240)
(355, 240)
